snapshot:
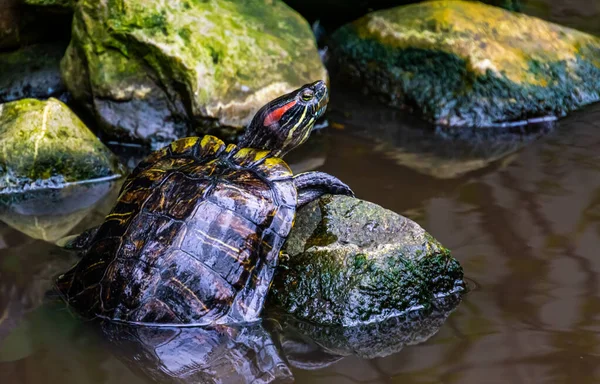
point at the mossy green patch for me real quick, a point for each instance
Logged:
(353, 262)
(200, 66)
(465, 63)
(43, 144)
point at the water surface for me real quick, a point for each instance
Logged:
(519, 209)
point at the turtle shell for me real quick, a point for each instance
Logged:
(194, 238)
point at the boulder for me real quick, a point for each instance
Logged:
(462, 63)
(45, 145)
(350, 262)
(152, 71)
(32, 72)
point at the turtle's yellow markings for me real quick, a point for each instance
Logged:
(307, 133)
(211, 143)
(185, 288)
(96, 264)
(115, 214)
(230, 147)
(42, 133)
(218, 241)
(181, 145)
(290, 135)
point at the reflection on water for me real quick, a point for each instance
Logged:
(524, 223)
(53, 213)
(199, 354)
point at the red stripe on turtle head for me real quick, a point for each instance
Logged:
(276, 114)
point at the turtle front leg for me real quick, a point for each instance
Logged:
(312, 185)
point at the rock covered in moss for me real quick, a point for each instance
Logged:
(353, 262)
(31, 72)
(155, 70)
(45, 145)
(462, 63)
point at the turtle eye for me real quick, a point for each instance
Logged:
(307, 95)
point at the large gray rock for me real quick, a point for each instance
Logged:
(152, 71)
(464, 63)
(353, 262)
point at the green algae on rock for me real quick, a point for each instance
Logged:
(353, 262)
(45, 145)
(31, 72)
(153, 71)
(462, 63)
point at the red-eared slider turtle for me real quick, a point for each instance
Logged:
(196, 232)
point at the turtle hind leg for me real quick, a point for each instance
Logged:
(312, 185)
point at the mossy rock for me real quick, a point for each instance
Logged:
(45, 145)
(463, 63)
(352, 262)
(154, 71)
(32, 72)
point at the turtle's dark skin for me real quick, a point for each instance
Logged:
(196, 232)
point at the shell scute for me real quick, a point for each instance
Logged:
(222, 240)
(194, 238)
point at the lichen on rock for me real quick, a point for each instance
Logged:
(463, 63)
(155, 70)
(45, 145)
(353, 262)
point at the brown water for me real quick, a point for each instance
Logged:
(520, 212)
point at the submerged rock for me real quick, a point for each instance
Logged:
(31, 72)
(352, 262)
(311, 346)
(45, 145)
(461, 63)
(155, 71)
(52, 214)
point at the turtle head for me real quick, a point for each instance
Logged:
(286, 122)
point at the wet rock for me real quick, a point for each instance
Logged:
(352, 262)
(153, 71)
(464, 63)
(32, 72)
(44, 145)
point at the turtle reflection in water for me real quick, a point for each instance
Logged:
(209, 354)
(198, 226)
